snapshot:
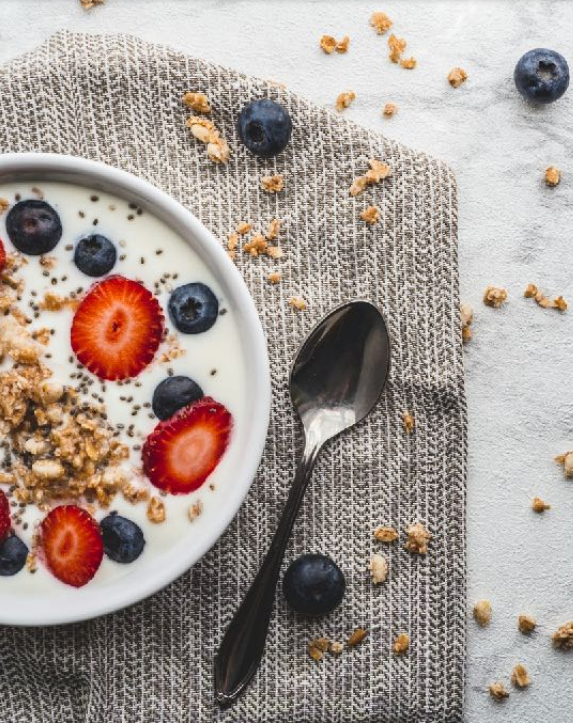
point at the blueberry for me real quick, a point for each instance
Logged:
(173, 394)
(13, 554)
(264, 127)
(193, 308)
(34, 227)
(95, 255)
(123, 540)
(541, 75)
(313, 585)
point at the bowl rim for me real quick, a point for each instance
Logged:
(100, 176)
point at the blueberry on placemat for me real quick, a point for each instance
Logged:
(265, 127)
(541, 75)
(174, 393)
(95, 255)
(123, 540)
(313, 585)
(34, 227)
(13, 554)
(193, 308)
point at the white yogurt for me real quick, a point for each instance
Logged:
(213, 359)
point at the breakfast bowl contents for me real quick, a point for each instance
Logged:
(133, 389)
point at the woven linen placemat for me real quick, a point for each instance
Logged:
(117, 99)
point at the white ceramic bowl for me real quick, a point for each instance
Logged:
(98, 599)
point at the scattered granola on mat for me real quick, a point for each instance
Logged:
(389, 110)
(467, 316)
(563, 637)
(498, 691)
(520, 677)
(408, 422)
(317, 648)
(539, 506)
(378, 569)
(272, 184)
(532, 292)
(197, 102)
(401, 644)
(482, 613)
(552, 176)
(298, 303)
(371, 215)
(385, 534)
(356, 638)
(330, 44)
(526, 624)
(567, 461)
(344, 100)
(418, 538)
(495, 296)
(456, 77)
(380, 22)
(378, 172)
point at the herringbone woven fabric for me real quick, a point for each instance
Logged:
(117, 99)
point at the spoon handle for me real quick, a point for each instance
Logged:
(242, 648)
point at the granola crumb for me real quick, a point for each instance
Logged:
(274, 277)
(567, 461)
(344, 100)
(197, 102)
(389, 110)
(156, 510)
(539, 506)
(371, 215)
(356, 638)
(552, 176)
(4, 205)
(298, 303)
(256, 246)
(498, 691)
(533, 292)
(526, 624)
(232, 243)
(378, 569)
(195, 510)
(244, 227)
(343, 45)
(520, 676)
(409, 63)
(328, 44)
(397, 47)
(563, 637)
(317, 648)
(273, 229)
(89, 4)
(336, 648)
(31, 562)
(385, 534)
(408, 422)
(380, 22)
(456, 77)
(204, 131)
(378, 172)
(467, 316)
(418, 538)
(482, 613)
(401, 644)
(272, 184)
(495, 296)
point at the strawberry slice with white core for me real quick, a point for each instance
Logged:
(117, 328)
(183, 450)
(72, 544)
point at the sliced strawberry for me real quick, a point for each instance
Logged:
(2, 255)
(5, 519)
(183, 450)
(117, 328)
(72, 544)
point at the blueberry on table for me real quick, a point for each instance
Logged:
(541, 75)
(313, 585)
(123, 540)
(193, 308)
(264, 127)
(95, 255)
(13, 555)
(174, 393)
(34, 227)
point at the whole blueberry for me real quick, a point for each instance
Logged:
(13, 554)
(264, 127)
(95, 255)
(313, 585)
(123, 540)
(34, 227)
(541, 75)
(173, 394)
(193, 308)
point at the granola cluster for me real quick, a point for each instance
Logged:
(456, 77)
(532, 292)
(495, 296)
(329, 44)
(397, 47)
(344, 100)
(204, 130)
(552, 176)
(378, 172)
(467, 316)
(259, 244)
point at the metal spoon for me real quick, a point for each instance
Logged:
(336, 379)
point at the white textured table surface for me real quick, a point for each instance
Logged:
(513, 230)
